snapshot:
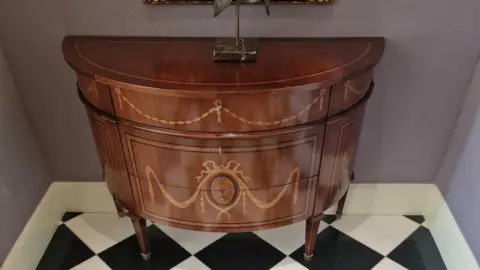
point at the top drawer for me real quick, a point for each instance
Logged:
(235, 112)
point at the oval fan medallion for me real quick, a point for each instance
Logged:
(222, 189)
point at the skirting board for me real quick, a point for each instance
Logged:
(374, 199)
(32, 242)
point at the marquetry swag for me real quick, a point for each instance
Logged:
(222, 186)
(218, 108)
(226, 147)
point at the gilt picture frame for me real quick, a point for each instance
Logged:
(159, 2)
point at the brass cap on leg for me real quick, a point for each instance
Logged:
(307, 257)
(146, 256)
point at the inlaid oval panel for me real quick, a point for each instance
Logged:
(223, 190)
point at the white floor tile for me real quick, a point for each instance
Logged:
(191, 263)
(192, 241)
(100, 231)
(289, 264)
(289, 238)
(387, 264)
(425, 224)
(94, 263)
(381, 233)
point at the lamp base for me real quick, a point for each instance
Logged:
(226, 49)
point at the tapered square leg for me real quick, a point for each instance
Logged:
(341, 203)
(311, 236)
(140, 226)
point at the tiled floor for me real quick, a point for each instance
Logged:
(91, 241)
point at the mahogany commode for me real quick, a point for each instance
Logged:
(229, 147)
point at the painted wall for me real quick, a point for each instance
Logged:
(23, 174)
(459, 176)
(431, 51)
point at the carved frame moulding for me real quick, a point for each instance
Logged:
(246, 2)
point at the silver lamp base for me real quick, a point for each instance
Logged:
(229, 49)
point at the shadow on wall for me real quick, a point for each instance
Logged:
(464, 128)
(458, 177)
(23, 174)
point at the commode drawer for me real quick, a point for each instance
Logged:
(224, 202)
(221, 183)
(183, 162)
(222, 112)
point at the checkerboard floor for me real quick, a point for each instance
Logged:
(99, 241)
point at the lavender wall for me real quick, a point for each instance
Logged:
(23, 174)
(431, 51)
(459, 176)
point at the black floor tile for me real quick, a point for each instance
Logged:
(417, 218)
(329, 218)
(69, 215)
(240, 251)
(418, 252)
(65, 251)
(335, 250)
(125, 255)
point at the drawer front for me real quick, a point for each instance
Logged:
(222, 112)
(349, 92)
(219, 204)
(96, 93)
(182, 162)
